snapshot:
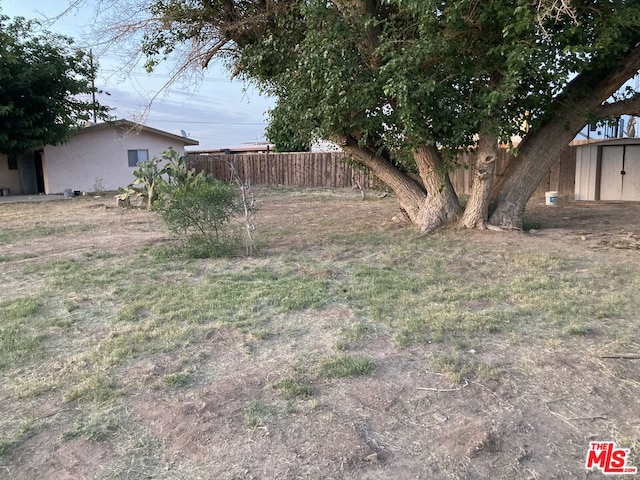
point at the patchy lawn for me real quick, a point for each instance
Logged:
(349, 347)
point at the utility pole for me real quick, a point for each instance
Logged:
(93, 85)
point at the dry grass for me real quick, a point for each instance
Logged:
(145, 364)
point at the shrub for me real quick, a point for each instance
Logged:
(201, 215)
(155, 184)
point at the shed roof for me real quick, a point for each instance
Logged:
(608, 141)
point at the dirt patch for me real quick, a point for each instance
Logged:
(46, 456)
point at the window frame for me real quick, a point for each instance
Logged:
(137, 158)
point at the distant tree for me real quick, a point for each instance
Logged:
(45, 86)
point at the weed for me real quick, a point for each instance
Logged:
(97, 388)
(9, 439)
(258, 414)
(341, 365)
(70, 306)
(13, 258)
(95, 424)
(531, 225)
(291, 388)
(179, 379)
(354, 333)
(15, 235)
(442, 294)
(98, 255)
(458, 367)
(578, 330)
(19, 336)
(20, 308)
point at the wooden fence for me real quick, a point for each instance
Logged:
(332, 170)
(303, 169)
(560, 177)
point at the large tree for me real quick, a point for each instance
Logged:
(404, 85)
(45, 87)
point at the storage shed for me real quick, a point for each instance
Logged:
(608, 170)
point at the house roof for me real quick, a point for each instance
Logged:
(258, 147)
(133, 126)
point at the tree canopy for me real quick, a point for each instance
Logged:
(403, 85)
(45, 86)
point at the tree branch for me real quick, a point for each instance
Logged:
(629, 106)
(410, 195)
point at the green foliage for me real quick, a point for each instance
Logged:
(96, 424)
(179, 379)
(156, 184)
(126, 194)
(291, 388)
(258, 414)
(178, 175)
(149, 176)
(402, 73)
(287, 137)
(19, 342)
(201, 216)
(44, 80)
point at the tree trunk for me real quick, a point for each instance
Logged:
(410, 195)
(540, 148)
(441, 205)
(477, 211)
(536, 155)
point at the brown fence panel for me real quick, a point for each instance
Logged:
(331, 170)
(288, 169)
(560, 177)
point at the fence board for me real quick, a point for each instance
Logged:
(332, 170)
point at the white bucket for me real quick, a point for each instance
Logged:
(551, 198)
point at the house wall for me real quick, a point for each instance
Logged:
(9, 178)
(98, 159)
(586, 166)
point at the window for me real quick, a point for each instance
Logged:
(137, 156)
(13, 162)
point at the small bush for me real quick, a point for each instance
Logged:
(201, 215)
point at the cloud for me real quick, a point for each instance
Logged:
(215, 119)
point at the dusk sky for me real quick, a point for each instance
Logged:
(215, 111)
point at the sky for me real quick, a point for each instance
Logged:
(215, 111)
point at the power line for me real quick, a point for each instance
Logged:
(160, 75)
(208, 123)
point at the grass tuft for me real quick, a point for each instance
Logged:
(258, 414)
(291, 388)
(342, 365)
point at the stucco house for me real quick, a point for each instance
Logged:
(98, 157)
(608, 170)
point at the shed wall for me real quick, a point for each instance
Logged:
(586, 166)
(608, 171)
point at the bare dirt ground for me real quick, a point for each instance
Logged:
(405, 421)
